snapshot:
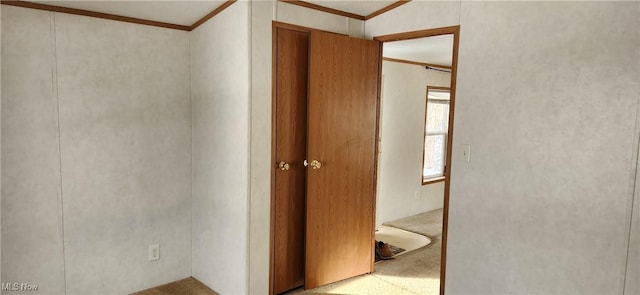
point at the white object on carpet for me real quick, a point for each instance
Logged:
(401, 238)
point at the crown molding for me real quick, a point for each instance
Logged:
(323, 8)
(115, 17)
(344, 13)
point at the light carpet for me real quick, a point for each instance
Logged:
(427, 223)
(414, 273)
(188, 286)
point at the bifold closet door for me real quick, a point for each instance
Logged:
(291, 142)
(341, 146)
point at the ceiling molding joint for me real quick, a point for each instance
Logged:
(386, 9)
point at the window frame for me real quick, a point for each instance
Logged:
(441, 178)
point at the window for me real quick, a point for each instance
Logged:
(436, 130)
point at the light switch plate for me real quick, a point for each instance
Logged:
(466, 152)
(154, 252)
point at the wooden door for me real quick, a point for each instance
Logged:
(343, 102)
(291, 142)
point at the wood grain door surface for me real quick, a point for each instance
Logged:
(342, 118)
(291, 142)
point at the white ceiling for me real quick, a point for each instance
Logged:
(435, 50)
(175, 12)
(360, 7)
(187, 12)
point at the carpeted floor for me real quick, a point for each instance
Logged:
(427, 223)
(414, 273)
(188, 286)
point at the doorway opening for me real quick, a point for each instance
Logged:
(416, 130)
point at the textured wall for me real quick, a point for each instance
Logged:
(260, 204)
(550, 114)
(118, 165)
(125, 133)
(632, 283)
(220, 59)
(31, 208)
(400, 190)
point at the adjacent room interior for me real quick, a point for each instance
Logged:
(414, 124)
(140, 147)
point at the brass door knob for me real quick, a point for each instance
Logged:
(283, 166)
(315, 164)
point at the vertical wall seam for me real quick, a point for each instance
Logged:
(0, 148)
(364, 31)
(249, 141)
(460, 12)
(191, 147)
(347, 20)
(54, 84)
(274, 11)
